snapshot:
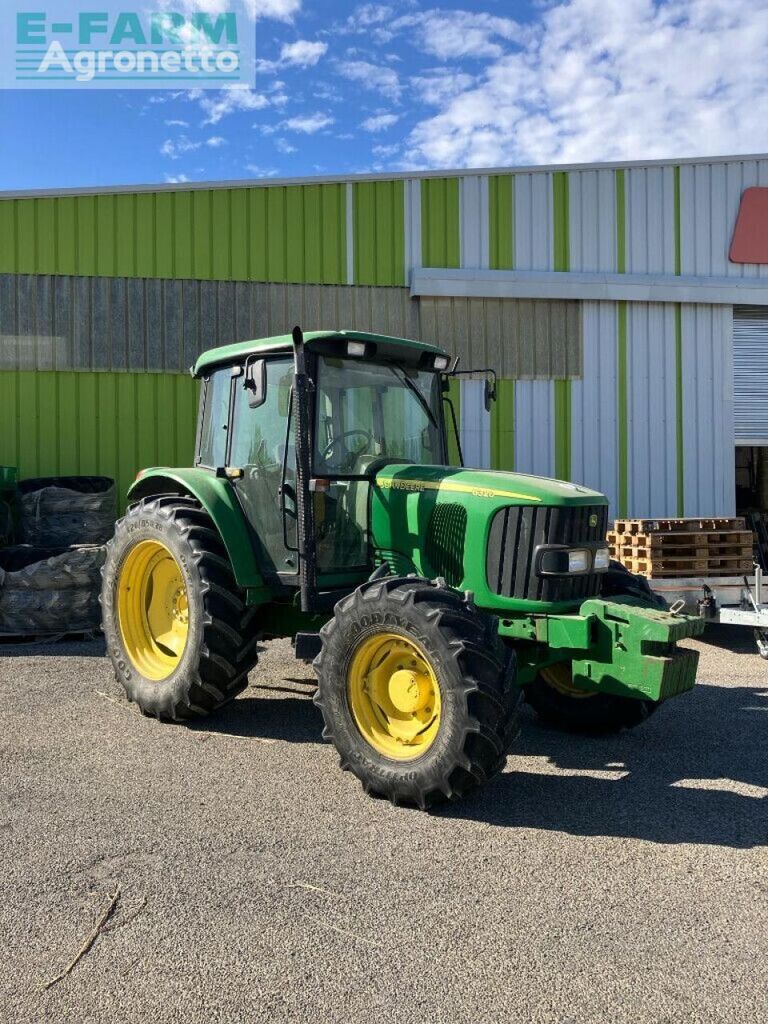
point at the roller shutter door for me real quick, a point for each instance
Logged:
(750, 373)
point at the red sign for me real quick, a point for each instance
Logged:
(750, 239)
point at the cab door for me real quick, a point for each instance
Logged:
(263, 450)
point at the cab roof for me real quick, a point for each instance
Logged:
(284, 343)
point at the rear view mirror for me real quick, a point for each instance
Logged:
(256, 382)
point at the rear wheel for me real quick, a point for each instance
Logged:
(174, 619)
(416, 691)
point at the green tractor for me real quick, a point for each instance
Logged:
(322, 507)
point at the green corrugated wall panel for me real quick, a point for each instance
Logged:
(83, 423)
(164, 240)
(125, 227)
(221, 235)
(46, 235)
(563, 430)
(501, 203)
(562, 263)
(257, 234)
(183, 259)
(503, 426)
(293, 234)
(202, 236)
(85, 235)
(25, 236)
(106, 235)
(440, 231)
(379, 224)
(239, 230)
(8, 258)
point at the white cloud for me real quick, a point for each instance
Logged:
(454, 34)
(302, 53)
(175, 148)
(284, 146)
(613, 80)
(373, 76)
(219, 105)
(261, 172)
(386, 152)
(367, 16)
(438, 85)
(176, 179)
(177, 124)
(308, 124)
(281, 10)
(379, 122)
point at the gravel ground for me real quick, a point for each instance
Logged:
(613, 880)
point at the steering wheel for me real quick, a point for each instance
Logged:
(336, 441)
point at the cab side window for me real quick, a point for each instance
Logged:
(213, 432)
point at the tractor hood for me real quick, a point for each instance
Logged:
(484, 531)
(485, 485)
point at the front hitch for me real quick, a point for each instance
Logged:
(633, 651)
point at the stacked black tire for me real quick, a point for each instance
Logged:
(45, 591)
(49, 584)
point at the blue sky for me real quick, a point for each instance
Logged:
(345, 87)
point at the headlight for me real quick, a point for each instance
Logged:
(602, 559)
(563, 561)
(578, 561)
(356, 348)
(441, 363)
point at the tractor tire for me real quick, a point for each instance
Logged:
(586, 712)
(426, 644)
(591, 714)
(620, 582)
(175, 621)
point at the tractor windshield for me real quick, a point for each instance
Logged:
(366, 411)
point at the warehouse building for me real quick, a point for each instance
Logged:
(624, 307)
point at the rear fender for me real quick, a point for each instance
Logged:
(217, 497)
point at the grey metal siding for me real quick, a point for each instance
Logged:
(86, 323)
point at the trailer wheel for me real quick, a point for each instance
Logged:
(416, 691)
(174, 619)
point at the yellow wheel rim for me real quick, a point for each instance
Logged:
(153, 610)
(394, 696)
(560, 677)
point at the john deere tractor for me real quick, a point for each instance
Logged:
(322, 506)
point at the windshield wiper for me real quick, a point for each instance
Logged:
(420, 398)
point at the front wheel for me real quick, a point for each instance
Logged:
(174, 619)
(416, 691)
(560, 704)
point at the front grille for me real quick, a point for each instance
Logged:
(516, 533)
(445, 542)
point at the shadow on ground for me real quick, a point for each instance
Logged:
(292, 718)
(714, 740)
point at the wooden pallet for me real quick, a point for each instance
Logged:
(683, 547)
(696, 545)
(646, 526)
(687, 568)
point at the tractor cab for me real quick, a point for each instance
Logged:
(373, 402)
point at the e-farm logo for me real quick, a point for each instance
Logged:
(74, 45)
